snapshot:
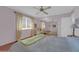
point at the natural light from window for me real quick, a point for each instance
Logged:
(26, 23)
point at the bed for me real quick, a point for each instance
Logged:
(49, 44)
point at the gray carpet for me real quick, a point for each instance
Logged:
(49, 44)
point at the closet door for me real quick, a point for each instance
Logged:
(66, 26)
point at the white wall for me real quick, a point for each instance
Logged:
(59, 28)
(7, 26)
(49, 26)
(76, 12)
(65, 27)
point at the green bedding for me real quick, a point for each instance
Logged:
(30, 41)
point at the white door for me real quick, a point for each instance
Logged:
(66, 27)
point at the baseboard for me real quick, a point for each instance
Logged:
(8, 43)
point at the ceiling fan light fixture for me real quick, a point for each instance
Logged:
(42, 9)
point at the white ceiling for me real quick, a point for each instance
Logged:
(30, 10)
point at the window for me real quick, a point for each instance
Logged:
(26, 23)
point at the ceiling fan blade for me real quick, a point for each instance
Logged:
(36, 8)
(44, 12)
(47, 8)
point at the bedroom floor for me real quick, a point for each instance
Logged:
(74, 43)
(6, 47)
(49, 44)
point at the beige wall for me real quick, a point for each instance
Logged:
(7, 26)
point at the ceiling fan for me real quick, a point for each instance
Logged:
(42, 9)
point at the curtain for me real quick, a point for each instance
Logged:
(21, 23)
(19, 18)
